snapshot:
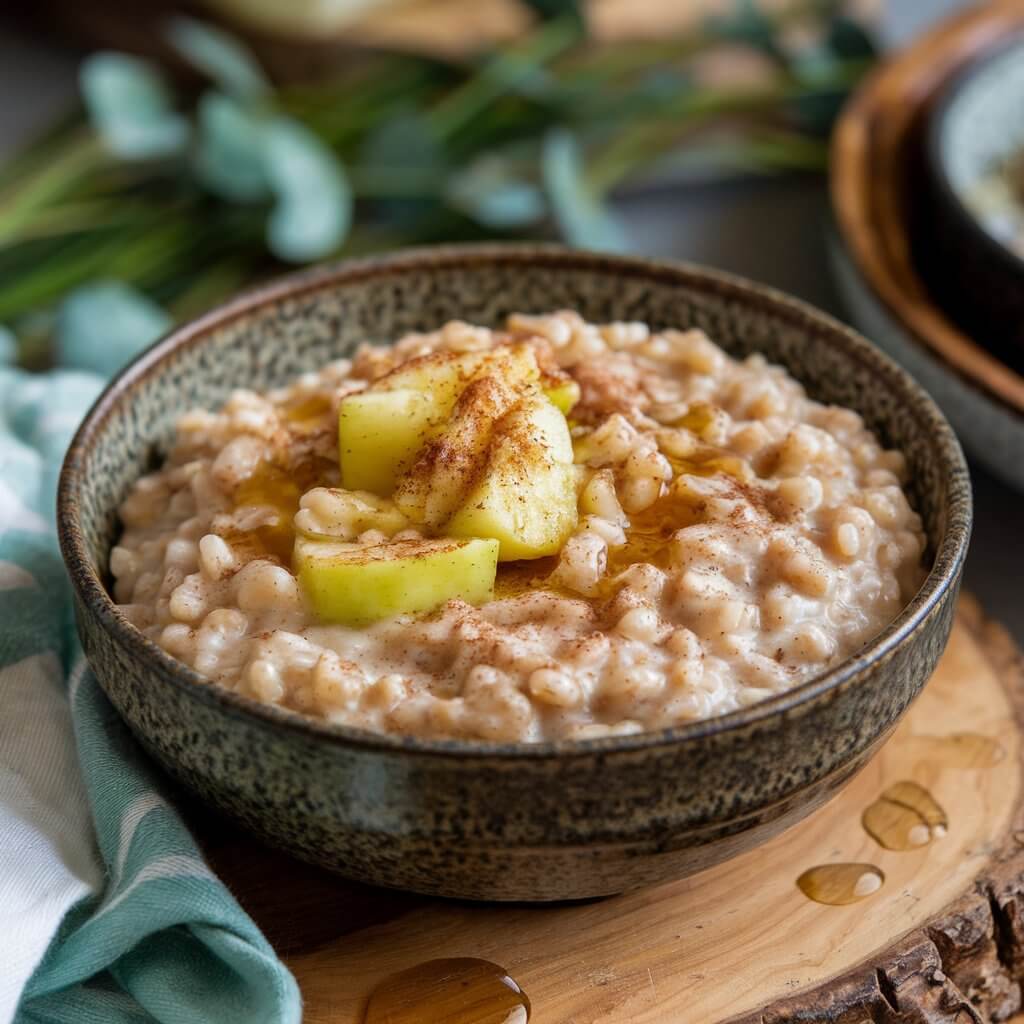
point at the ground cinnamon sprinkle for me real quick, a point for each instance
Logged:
(734, 538)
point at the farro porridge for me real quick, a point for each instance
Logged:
(581, 530)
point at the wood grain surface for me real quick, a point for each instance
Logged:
(873, 184)
(740, 938)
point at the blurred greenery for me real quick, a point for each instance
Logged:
(148, 206)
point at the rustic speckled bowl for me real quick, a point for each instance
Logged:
(481, 820)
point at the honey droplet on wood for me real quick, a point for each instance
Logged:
(461, 990)
(904, 817)
(840, 884)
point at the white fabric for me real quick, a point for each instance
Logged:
(48, 860)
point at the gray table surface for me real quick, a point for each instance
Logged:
(771, 230)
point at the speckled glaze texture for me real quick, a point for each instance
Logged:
(485, 821)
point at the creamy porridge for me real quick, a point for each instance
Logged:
(556, 530)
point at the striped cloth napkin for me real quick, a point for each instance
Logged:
(108, 913)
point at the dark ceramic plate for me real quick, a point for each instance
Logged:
(479, 820)
(976, 124)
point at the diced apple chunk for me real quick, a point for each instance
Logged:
(379, 434)
(525, 496)
(563, 395)
(446, 467)
(445, 375)
(382, 430)
(355, 586)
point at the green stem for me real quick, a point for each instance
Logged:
(36, 154)
(650, 139)
(500, 74)
(82, 155)
(73, 218)
(42, 283)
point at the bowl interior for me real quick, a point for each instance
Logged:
(269, 337)
(983, 121)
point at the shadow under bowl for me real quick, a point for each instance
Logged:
(546, 821)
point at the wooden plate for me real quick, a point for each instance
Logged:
(872, 186)
(940, 941)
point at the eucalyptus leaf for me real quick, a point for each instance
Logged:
(490, 193)
(314, 200)
(813, 64)
(219, 56)
(229, 156)
(8, 346)
(581, 218)
(104, 324)
(131, 107)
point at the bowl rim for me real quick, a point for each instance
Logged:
(943, 575)
(936, 131)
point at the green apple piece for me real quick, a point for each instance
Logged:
(445, 375)
(380, 433)
(444, 471)
(382, 430)
(355, 585)
(526, 494)
(563, 395)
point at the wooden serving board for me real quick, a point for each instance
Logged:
(942, 939)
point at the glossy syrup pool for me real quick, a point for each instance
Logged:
(461, 990)
(840, 884)
(280, 486)
(904, 817)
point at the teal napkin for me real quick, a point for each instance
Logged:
(108, 913)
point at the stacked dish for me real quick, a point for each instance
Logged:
(901, 192)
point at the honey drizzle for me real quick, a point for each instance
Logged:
(271, 487)
(280, 488)
(516, 578)
(461, 990)
(649, 533)
(306, 409)
(647, 536)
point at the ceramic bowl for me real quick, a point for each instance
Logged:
(882, 216)
(557, 820)
(975, 125)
